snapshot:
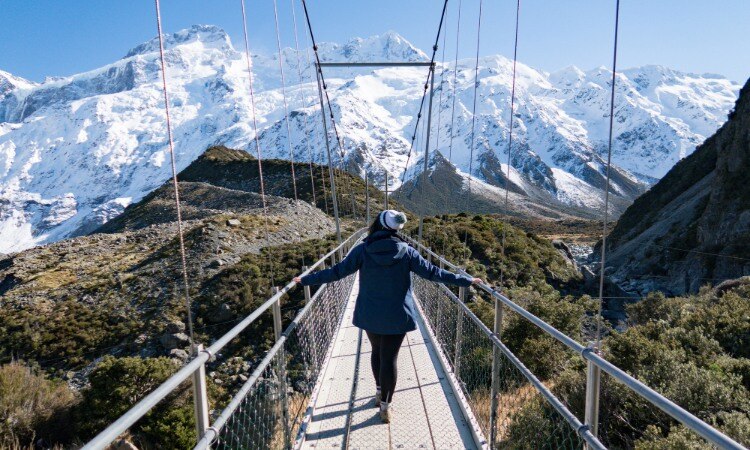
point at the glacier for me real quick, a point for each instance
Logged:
(75, 151)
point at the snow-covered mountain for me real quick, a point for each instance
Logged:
(75, 151)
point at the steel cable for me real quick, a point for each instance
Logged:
(455, 77)
(426, 87)
(255, 130)
(323, 83)
(442, 83)
(302, 101)
(473, 128)
(606, 190)
(283, 92)
(510, 134)
(174, 177)
(322, 152)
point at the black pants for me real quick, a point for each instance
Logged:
(385, 349)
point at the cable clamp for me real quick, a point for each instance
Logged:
(589, 349)
(208, 352)
(215, 436)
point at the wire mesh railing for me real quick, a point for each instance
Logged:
(269, 408)
(269, 411)
(504, 422)
(508, 412)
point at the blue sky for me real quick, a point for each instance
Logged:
(61, 37)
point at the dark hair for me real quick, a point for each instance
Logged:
(376, 226)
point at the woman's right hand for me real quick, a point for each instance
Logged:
(297, 280)
(477, 281)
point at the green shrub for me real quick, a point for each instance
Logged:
(495, 250)
(116, 384)
(541, 353)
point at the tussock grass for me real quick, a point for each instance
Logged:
(31, 406)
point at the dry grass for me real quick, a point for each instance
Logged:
(297, 403)
(510, 404)
(30, 405)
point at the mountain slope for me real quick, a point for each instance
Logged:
(692, 228)
(75, 151)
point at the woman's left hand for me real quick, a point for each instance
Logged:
(477, 281)
(297, 280)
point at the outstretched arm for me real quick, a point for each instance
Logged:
(426, 270)
(348, 266)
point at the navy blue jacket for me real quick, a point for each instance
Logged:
(385, 264)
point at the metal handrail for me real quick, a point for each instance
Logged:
(213, 432)
(108, 435)
(576, 424)
(678, 413)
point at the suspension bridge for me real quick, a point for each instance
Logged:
(460, 386)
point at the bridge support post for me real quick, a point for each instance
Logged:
(593, 383)
(496, 357)
(200, 397)
(281, 369)
(306, 289)
(462, 295)
(308, 296)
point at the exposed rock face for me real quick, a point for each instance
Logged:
(174, 341)
(693, 227)
(449, 191)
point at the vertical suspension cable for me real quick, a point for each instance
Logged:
(322, 152)
(324, 91)
(473, 121)
(283, 91)
(606, 190)
(255, 138)
(302, 101)
(334, 198)
(474, 105)
(174, 179)
(510, 134)
(455, 76)
(424, 92)
(442, 87)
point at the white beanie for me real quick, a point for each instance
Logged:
(392, 220)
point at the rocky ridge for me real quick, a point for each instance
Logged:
(692, 227)
(120, 287)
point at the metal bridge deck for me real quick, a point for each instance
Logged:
(426, 413)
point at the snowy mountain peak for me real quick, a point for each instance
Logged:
(389, 46)
(9, 82)
(209, 35)
(568, 77)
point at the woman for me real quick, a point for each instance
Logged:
(384, 308)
